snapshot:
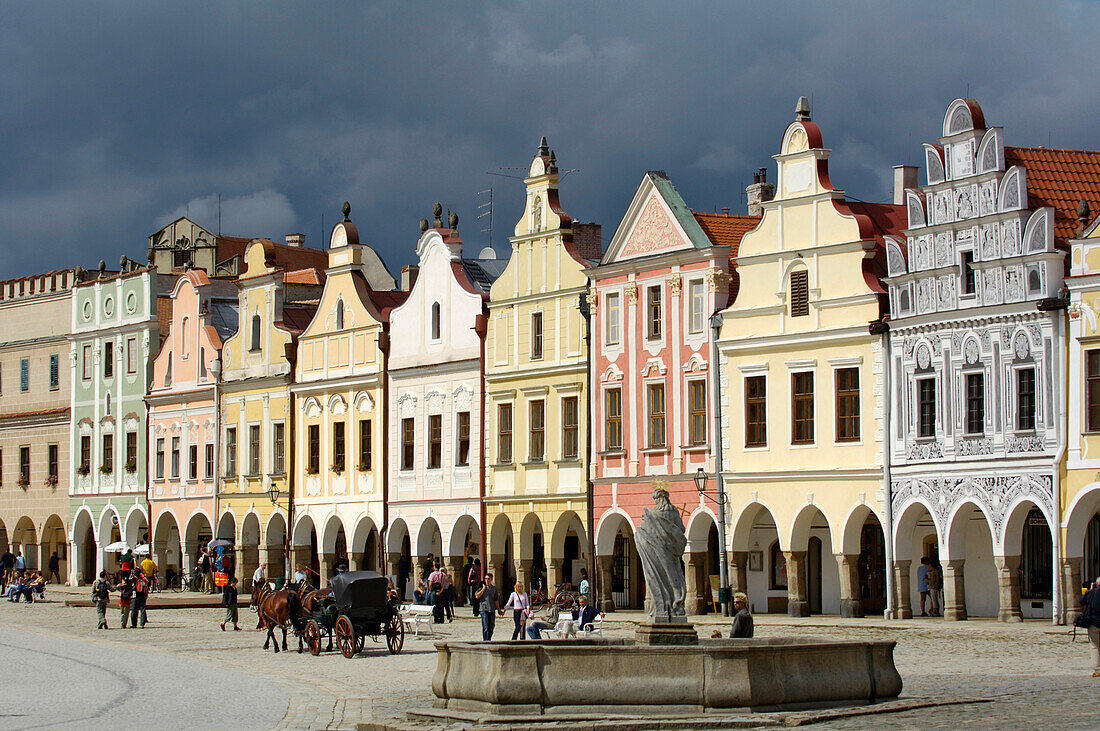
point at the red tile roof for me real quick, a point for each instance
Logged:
(727, 230)
(297, 318)
(305, 276)
(1059, 179)
(386, 301)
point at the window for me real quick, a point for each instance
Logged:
(537, 441)
(435, 441)
(847, 404)
(175, 457)
(966, 270)
(338, 446)
(25, 464)
(778, 577)
(131, 450)
(1025, 399)
(800, 293)
(314, 465)
(695, 305)
(108, 452)
(340, 314)
(408, 443)
(436, 321)
(926, 407)
(185, 338)
(655, 393)
(570, 415)
(278, 448)
(653, 312)
(975, 403)
(231, 451)
(51, 460)
(756, 411)
(1092, 389)
(614, 439)
(536, 335)
(160, 458)
(168, 372)
(86, 363)
(109, 359)
(697, 403)
(202, 363)
(613, 319)
(255, 347)
(802, 408)
(462, 456)
(24, 374)
(86, 452)
(365, 426)
(131, 355)
(208, 473)
(193, 462)
(181, 258)
(504, 433)
(254, 449)
(55, 375)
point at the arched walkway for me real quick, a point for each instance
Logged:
(334, 547)
(569, 550)
(137, 527)
(275, 540)
(109, 532)
(399, 550)
(1082, 548)
(621, 585)
(304, 542)
(1025, 570)
(84, 558)
(429, 540)
(167, 546)
(363, 552)
(759, 566)
(915, 537)
(197, 535)
(862, 562)
(502, 552)
(531, 568)
(463, 546)
(248, 551)
(811, 570)
(52, 542)
(970, 585)
(701, 562)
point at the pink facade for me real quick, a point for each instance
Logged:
(664, 273)
(183, 426)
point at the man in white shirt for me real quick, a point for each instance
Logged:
(20, 562)
(259, 578)
(584, 587)
(300, 575)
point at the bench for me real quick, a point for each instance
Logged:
(417, 617)
(595, 627)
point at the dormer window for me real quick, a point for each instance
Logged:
(339, 314)
(436, 317)
(800, 293)
(168, 372)
(255, 346)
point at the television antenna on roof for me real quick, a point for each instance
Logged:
(486, 209)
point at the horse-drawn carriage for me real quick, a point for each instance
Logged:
(360, 607)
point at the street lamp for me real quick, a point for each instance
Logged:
(273, 493)
(701, 481)
(701, 478)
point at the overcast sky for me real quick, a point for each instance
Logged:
(115, 118)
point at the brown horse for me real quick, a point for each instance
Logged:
(277, 609)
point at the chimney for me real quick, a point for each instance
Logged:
(297, 240)
(905, 176)
(760, 192)
(588, 240)
(409, 273)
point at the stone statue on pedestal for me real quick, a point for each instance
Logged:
(661, 541)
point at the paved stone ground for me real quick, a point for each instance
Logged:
(1033, 672)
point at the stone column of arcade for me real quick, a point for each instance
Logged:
(44, 558)
(902, 589)
(954, 595)
(1071, 589)
(328, 566)
(695, 577)
(76, 574)
(524, 575)
(798, 604)
(739, 572)
(1008, 585)
(851, 604)
(497, 564)
(240, 570)
(556, 575)
(458, 581)
(605, 565)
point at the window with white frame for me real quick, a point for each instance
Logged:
(696, 306)
(612, 318)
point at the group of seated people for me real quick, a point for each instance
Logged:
(567, 619)
(26, 585)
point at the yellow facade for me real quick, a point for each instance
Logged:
(536, 497)
(340, 398)
(801, 486)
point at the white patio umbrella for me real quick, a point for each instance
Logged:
(141, 549)
(118, 547)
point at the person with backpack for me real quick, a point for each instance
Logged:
(101, 594)
(1090, 618)
(125, 597)
(229, 601)
(142, 585)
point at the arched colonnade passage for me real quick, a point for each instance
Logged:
(37, 543)
(537, 554)
(1081, 564)
(408, 548)
(89, 538)
(322, 552)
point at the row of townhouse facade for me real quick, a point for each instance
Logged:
(870, 383)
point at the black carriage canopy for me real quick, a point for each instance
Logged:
(360, 592)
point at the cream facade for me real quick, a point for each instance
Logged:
(276, 301)
(536, 499)
(436, 444)
(802, 394)
(340, 387)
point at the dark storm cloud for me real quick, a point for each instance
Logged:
(118, 117)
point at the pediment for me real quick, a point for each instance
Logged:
(656, 222)
(654, 231)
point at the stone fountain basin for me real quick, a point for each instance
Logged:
(617, 676)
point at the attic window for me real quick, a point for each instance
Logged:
(800, 293)
(435, 321)
(255, 347)
(181, 258)
(168, 372)
(340, 314)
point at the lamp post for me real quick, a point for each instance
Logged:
(273, 493)
(701, 478)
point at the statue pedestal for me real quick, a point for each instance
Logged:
(650, 634)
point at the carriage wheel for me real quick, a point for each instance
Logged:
(313, 637)
(359, 639)
(395, 633)
(345, 636)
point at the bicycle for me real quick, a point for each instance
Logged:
(539, 599)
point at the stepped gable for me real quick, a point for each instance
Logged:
(1059, 179)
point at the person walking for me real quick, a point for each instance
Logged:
(206, 569)
(20, 563)
(448, 594)
(473, 581)
(742, 621)
(125, 597)
(101, 594)
(55, 568)
(229, 601)
(141, 598)
(7, 561)
(585, 587)
(488, 597)
(935, 588)
(922, 582)
(520, 604)
(1090, 611)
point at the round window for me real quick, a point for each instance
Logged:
(131, 302)
(87, 310)
(109, 307)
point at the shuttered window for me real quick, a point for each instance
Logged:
(800, 293)
(504, 434)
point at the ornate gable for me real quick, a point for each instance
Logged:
(657, 221)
